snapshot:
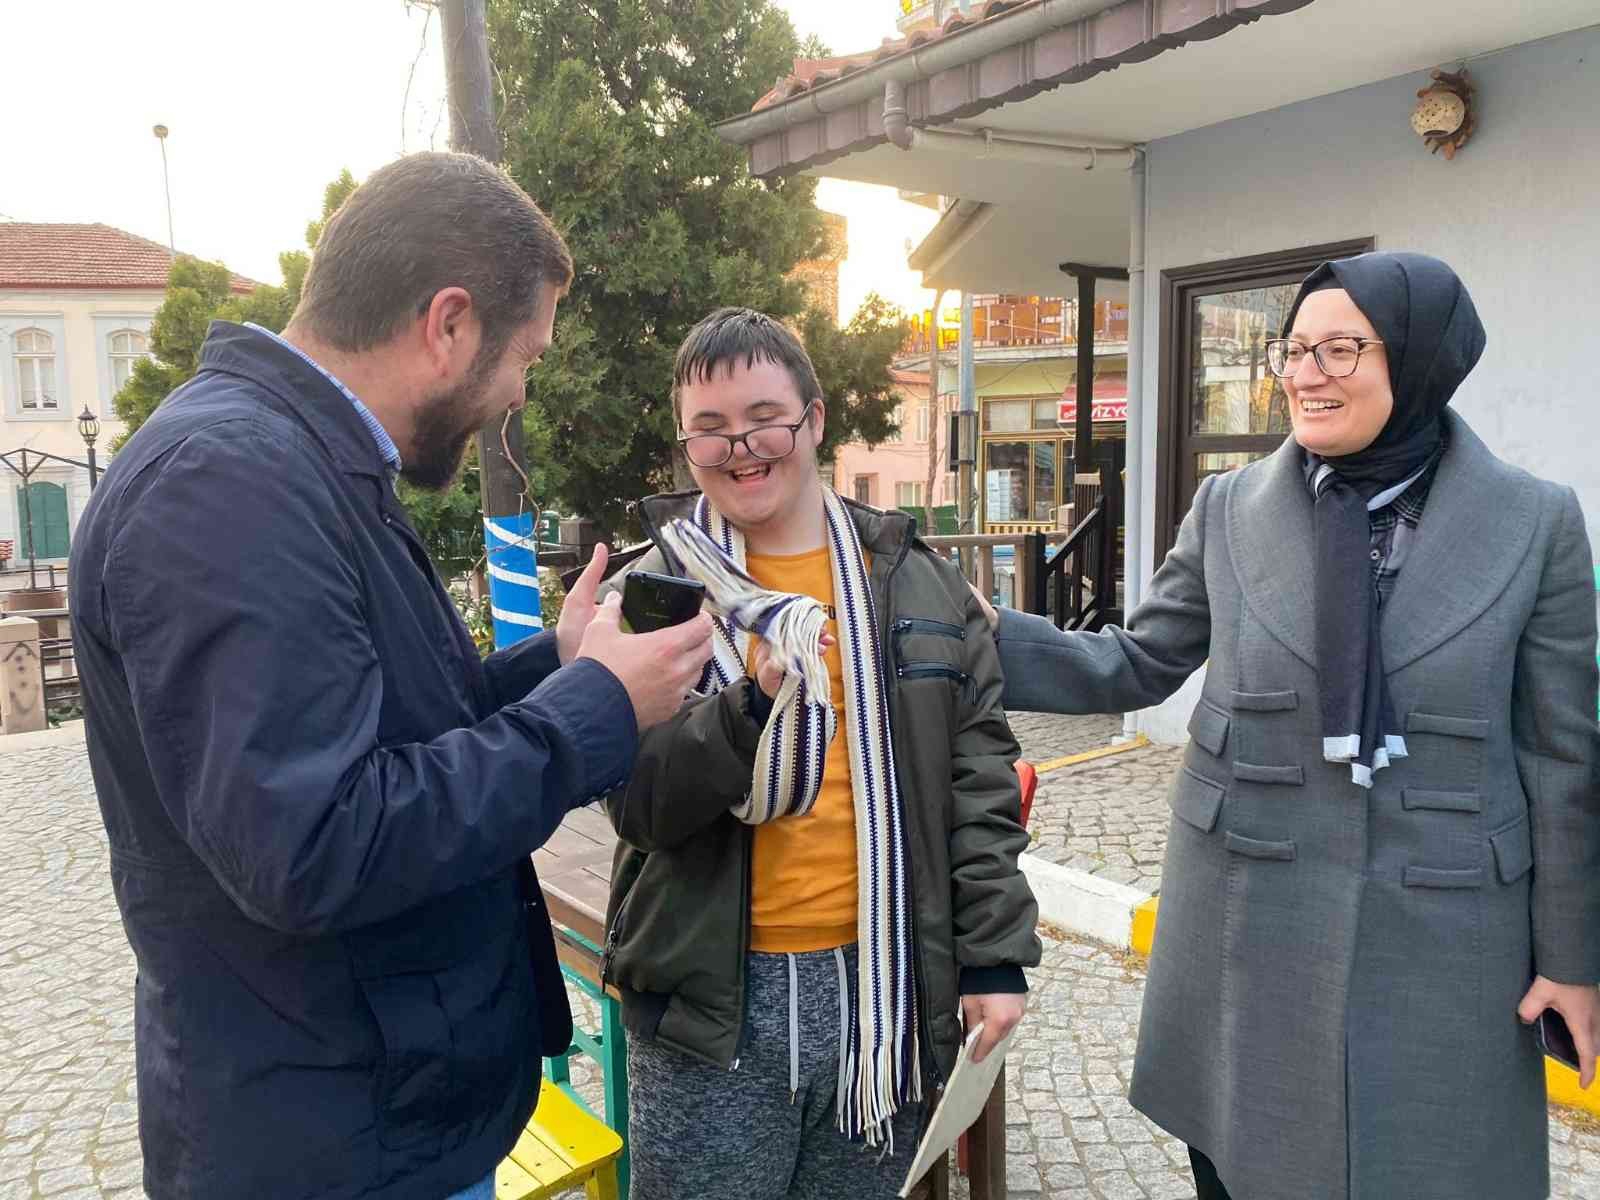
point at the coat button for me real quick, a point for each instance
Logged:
(1376, 555)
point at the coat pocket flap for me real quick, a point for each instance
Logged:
(1461, 727)
(1513, 850)
(1255, 848)
(1208, 726)
(1265, 701)
(1435, 877)
(1197, 800)
(1469, 802)
(1290, 774)
(919, 640)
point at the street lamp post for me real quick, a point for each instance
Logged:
(89, 429)
(161, 136)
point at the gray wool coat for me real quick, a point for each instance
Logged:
(1331, 1004)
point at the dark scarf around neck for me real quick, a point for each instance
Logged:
(1432, 338)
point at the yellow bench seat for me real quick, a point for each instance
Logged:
(562, 1147)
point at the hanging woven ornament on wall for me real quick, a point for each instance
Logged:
(1444, 116)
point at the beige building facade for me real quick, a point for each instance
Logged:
(76, 304)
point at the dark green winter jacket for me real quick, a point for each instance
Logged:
(679, 917)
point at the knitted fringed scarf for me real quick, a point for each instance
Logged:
(879, 1069)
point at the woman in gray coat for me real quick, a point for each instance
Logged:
(1385, 845)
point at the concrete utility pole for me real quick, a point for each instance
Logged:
(509, 537)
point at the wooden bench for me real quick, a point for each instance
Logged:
(562, 1147)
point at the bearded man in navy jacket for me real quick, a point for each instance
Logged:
(320, 801)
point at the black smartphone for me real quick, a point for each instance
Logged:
(651, 601)
(1555, 1039)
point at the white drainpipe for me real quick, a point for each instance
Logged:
(1026, 148)
(1037, 149)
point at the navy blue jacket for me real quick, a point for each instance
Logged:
(320, 802)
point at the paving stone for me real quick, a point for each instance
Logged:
(1118, 1185)
(1089, 1130)
(1103, 1158)
(123, 1175)
(77, 1176)
(1064, 1176)
(1022, 1177)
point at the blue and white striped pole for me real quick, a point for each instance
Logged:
(511, 550)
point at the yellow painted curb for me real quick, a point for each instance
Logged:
(1561, 1081)
(1144, 926)
(1137, 742)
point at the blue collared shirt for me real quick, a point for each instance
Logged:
(387, 450)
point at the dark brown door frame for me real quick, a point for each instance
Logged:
(1177, 284)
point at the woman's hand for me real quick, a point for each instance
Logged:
(1579, 1004)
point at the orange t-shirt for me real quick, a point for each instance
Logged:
(803, 893)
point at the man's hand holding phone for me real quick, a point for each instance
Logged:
(657, 669)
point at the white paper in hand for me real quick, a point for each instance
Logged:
(964, 1098)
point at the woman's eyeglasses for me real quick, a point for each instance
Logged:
(1337, 357)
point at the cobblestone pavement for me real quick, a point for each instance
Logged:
(1108, 816)
(67, 1119)
(1044, 736)
(66, 989)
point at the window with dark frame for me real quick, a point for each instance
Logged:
(1218, 405)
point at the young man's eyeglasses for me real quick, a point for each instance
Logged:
(1336, 357)
(765, 442)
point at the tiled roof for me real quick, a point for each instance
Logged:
(48, 257)
(814, 72)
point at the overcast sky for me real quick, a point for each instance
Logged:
(267, 103)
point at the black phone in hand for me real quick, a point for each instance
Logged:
(1555, 1039)
(651, 601)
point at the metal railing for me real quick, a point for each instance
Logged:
(61, 684)
(977, 552)
(1076, 584)
(48, 576)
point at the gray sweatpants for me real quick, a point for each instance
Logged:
(698, 1132)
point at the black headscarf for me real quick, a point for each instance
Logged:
(1432, 338)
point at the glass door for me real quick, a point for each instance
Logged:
(1236, 410)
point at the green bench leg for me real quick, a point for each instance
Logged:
(559, 1069)
(614, 1045)
(609, 1049)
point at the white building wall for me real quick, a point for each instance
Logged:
(1514, 214)
(81, 322)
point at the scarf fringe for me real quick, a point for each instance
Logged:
(1347, 749)
(790, 624)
